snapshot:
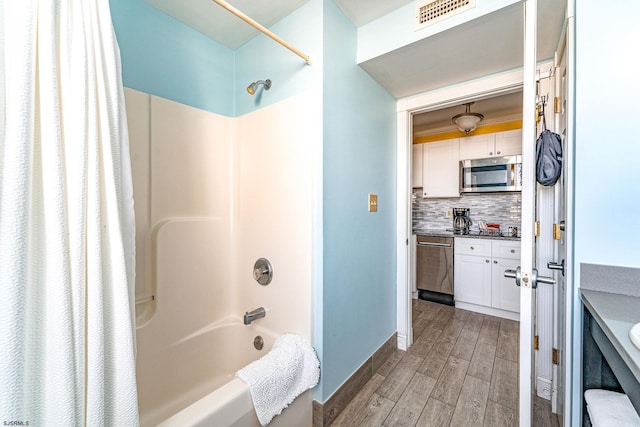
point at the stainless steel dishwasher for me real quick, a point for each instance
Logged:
(434, 268)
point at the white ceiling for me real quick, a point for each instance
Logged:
(362, 12)
(481, 47)
(219, 24)
(487, 45)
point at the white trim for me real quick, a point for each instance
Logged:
(402, 342)
(527, 299)
(560, 297)
(486, 87)
(473, 90)
(403, 231)
(573, 319)
(505, 314)
(543, 386)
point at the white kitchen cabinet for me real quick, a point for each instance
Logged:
(472, 271)
(472, 279)
(440, 169)
(477, 146)
(505, 294)
(416, 166)
(507, 143)
(479, 282)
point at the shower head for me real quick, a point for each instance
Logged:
(253, 86)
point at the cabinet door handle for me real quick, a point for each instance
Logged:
(491, 153)
(498, 152)
(472, 248)
(495, 262)
(513, 251)
(486, 260)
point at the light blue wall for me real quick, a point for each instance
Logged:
(262, 58)
(164, 57)
(607, 190)
(355, 292)
(359, 290)
(607, 149)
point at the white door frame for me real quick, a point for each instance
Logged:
(527, 241)
(473, 90)
(406, 107)
(573, 316)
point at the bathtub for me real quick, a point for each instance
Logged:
(192, 381)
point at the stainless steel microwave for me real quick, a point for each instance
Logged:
(490, 175)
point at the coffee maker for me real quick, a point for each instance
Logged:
(461, 220)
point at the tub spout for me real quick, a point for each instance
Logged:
(250, 316)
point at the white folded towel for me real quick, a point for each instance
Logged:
(610, 409)
(278, 377)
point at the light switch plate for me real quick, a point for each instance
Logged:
(373, 202)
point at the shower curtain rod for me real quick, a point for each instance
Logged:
(264, 30)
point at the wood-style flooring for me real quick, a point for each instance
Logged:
(462, 370)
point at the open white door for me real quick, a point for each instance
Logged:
(526, 274)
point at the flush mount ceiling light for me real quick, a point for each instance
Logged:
(253, 86)
(467, 121)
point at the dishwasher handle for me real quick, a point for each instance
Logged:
(435, 245)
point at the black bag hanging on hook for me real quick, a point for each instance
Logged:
(548, 156)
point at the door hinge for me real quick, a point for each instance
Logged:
(556, 231)
(554, 356)
(536, 229)
(556, 104)
(535, 342)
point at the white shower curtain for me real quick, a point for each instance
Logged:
(67, 337)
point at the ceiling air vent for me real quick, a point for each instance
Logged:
(434, 11)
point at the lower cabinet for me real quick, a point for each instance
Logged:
(479, 266)
(504, 292)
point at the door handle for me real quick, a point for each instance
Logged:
(535, 279)
(556, 266)
(514, 274)
(517, 274)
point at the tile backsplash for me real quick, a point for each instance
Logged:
(502, 208)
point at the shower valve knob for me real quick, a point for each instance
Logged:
(263, 271)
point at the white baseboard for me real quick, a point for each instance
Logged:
(543, 388)
(488, 310)
(402, 342)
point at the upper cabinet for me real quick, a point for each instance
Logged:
(416, 168)
(508, 143)
(436, 165)
(440, 169)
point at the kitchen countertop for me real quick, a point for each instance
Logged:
(472, 235)
(616, 314)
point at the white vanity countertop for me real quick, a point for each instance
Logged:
(616, 314)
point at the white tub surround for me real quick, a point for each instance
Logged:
(215, 194)
(231, 406)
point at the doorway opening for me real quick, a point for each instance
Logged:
(436, 109)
